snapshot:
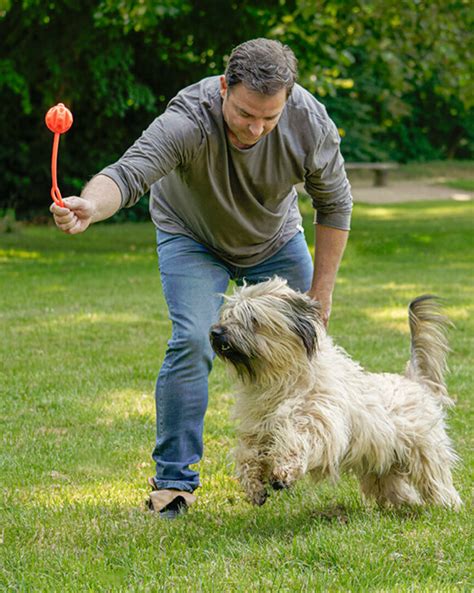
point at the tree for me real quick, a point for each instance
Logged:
(379, 64)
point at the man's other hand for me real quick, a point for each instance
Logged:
(325, 300)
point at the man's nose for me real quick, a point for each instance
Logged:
(256, 128)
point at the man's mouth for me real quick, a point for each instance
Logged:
(242, 141)
(253, 139)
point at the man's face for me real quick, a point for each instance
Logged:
(250, 115)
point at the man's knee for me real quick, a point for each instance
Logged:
(193, 340)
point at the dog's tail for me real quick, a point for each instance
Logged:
(429, 345)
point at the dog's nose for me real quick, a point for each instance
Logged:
(217, 331)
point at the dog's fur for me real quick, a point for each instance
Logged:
(306, 406)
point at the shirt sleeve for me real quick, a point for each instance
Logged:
(170, 141)
(327, 184)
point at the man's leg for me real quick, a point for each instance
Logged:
(292, 262)
(192, 280)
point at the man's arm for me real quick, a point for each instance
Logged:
(329, 188)
(100, 199)
(330, 244)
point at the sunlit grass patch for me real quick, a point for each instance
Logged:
(389, 317)
(381, 213)
(7, 255)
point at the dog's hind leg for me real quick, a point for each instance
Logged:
(434, 480)
(388, 490)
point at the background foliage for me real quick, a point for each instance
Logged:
(395, 75)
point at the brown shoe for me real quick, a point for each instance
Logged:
(169, 503)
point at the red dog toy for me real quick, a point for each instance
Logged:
(59, 120)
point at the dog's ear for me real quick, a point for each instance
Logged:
(305, 314)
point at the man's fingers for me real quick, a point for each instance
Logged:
(75, 217)
(65, 219)
(58, 210)
(72, 203)
(66, 224)
(75, 228)
(75, 203)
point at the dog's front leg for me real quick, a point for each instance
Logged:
(251, 470)
(288, 460)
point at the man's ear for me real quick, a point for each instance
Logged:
(224, 87)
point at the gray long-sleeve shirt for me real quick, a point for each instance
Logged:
(241, 204)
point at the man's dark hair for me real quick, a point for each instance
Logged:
(262, 65)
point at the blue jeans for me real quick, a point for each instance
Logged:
(193, 280)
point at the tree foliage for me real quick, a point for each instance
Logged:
(395, 76)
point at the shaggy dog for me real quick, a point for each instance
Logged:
(306, 407)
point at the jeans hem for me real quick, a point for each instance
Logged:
(170, 485)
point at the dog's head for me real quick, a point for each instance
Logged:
(266, 328)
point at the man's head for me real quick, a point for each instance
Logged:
(262, 65)
(258, 79)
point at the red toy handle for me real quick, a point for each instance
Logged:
(58, 119)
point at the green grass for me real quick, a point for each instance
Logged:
(449, 168)
(83, 329)
(465, 184)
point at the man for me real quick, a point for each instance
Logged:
(222, 162)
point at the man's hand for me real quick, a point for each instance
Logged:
(101, 199)
(75, 217)
(325, 300)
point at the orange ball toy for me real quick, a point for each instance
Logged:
(58, 119)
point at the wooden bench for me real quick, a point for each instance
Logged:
(380, 169)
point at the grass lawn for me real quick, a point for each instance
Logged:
(83, 330)
(450, 169)
(465, 184)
